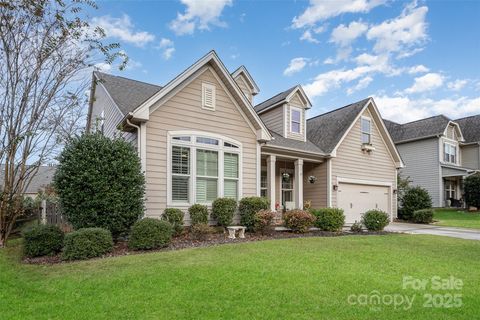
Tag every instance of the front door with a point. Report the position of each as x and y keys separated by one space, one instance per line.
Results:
x=288 y=200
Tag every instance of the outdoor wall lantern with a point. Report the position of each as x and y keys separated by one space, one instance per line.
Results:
x=395 y=191
x=335 y=187
x=312 y=179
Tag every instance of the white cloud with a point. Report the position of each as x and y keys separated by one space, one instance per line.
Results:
x=199 y=14
x=418 y=69
x=167 y=47
x=457 y=85
x=361 y=84
x=307 y=36
x=428 y=82
x=401 y=33
x=319 y=10
x=123 y=29
x=344 y=35
x=103 y=67
x=295 y=65
x=405 y=109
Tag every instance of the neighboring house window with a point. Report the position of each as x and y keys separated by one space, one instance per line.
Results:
x=366 y=128
x=263 y=184
x=210 y=167
x=295 y=119
x=208 y=96
x=449 y=153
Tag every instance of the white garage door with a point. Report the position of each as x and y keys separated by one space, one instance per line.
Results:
x=356 y=199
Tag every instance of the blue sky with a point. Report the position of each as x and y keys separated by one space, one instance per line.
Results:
x=416 y=58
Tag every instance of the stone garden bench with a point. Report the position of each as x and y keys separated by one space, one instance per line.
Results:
x=233 y=229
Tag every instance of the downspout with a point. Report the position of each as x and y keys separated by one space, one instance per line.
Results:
x=139 y=146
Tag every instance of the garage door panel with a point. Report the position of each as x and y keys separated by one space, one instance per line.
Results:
x=356 y=199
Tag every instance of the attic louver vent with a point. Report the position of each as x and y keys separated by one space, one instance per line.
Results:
x=208 y=96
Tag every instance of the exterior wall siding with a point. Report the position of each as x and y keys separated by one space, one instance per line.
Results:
x=244 y=87
x=184 y=112
x=315 y=192
x=102 y=102
x=421 y=160
x=297 y=103
x=471 y=156
x=352 y=163
x=273 y=119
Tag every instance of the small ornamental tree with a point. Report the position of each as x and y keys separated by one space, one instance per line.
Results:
x=100 y=183
x=472 y=190
x=416 y=198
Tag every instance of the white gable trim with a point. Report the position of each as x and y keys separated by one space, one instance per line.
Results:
x=395 y=155
x=288 y=98
x=248 y=77
x=459 y=130
x=142 y=113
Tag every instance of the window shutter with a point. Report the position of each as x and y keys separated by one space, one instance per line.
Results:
x=230 y=165
x=230 y=189
x=207 y=163
x=180 y=188
x=208 y=96
x=206 y=189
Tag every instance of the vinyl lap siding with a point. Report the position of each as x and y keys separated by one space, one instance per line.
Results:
x=421 y=160
x=352 y=163
x=470 y=156
x=184 y=112
x=273 y=119
x=315 y=192
x=244 y=87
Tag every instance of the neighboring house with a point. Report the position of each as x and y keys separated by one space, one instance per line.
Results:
x=42 y=179
x=200 y=137
x=437 y=156
x=471 y=146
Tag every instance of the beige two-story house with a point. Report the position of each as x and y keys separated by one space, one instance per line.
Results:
x=201 y=136
x=437 y=155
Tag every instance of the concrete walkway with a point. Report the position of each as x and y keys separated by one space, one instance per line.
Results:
x=454 y=232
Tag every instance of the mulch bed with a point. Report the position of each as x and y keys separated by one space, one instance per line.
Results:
x=186 y=240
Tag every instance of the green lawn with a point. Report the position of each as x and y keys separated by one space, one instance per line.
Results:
x=456 y=218
x=309 y=278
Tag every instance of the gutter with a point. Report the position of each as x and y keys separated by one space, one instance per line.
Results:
x=139 y=146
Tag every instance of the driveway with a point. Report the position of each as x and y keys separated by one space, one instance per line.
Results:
x=462 y=233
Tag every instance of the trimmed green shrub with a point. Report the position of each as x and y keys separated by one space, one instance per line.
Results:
x=472 y=190
x=248 y=207
x=198 y=214
x=200 y=231
x=175 y=217
x=356 y=227
x=423 y=216
x=223 y=210
x=263 y=220
x=375 y=220
x=42 y=240
x=150 y=233
x=87 y=243
x=100 y=183
x=329 y=219
x=298 y=220
x=414 y=199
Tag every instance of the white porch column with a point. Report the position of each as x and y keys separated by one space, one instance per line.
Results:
x=299 y=183
x=271 y=180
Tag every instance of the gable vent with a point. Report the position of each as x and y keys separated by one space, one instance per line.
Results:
x=208 y=96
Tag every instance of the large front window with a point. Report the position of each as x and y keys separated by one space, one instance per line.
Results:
x=203 y=168
x=449 y=153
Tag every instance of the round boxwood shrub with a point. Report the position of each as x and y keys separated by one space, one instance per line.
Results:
x=472 y=190
x=423 y=216
x=329 y=219
x=175 y=218
x=200 y=231
x=100 y=183
x=42 y=240
x=223 y=210
x=375 y=220
x=298 y=220
x=149 y=234
x=198 y=214
x=263 y=220
x=414 y=199
x=248 y=207
x=87 y=243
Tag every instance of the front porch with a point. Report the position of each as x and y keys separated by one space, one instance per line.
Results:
x=452 y=184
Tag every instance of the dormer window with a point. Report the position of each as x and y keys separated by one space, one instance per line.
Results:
x=208 y=96
x=449 y=153
x=366 y=128
x=295 y=120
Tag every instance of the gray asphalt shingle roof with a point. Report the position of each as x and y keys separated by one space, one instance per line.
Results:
x=273 y=100
x=416 y=130
x=43 y=178
x=128 y=94
x=326 y=130
x=470 y=127
x=280 y=141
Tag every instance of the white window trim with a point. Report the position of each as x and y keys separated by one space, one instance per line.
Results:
x=452 y=144
x=193 y=164
x=361 y=129
x=292 y=108
x=211 y=87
